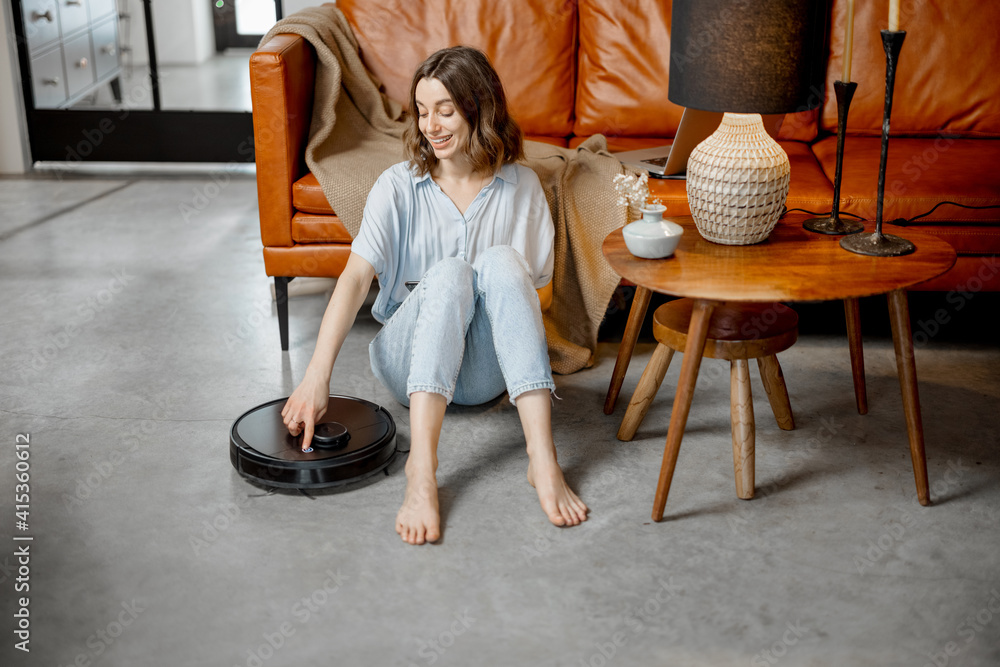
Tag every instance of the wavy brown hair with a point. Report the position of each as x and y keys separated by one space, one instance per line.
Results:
x=495 y=138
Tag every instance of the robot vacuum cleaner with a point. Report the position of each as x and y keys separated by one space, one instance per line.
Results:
x=357 y=439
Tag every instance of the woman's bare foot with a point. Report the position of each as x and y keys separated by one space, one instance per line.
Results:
x=559 y=503
x=419 y=519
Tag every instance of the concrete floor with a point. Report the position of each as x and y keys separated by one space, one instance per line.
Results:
x=133 y=335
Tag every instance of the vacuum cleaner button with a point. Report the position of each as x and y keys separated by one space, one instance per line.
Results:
x=330 y=435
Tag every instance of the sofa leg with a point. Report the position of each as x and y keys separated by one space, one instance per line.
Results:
x=281 y=298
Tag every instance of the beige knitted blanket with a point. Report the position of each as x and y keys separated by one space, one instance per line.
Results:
x=356 y=134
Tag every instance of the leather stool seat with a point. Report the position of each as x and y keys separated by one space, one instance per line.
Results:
x=737 y=332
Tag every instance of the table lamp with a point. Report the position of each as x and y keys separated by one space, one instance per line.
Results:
x=744 y=59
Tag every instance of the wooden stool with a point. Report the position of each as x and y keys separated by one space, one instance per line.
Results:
x=738 y=332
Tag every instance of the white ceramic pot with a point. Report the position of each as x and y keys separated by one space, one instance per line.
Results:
x=652 y=237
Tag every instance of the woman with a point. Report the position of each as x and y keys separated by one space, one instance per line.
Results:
x=469 y=231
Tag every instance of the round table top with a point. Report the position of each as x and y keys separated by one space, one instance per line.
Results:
x=793 y=264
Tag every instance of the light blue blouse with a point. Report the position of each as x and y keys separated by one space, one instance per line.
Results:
x=410 y=224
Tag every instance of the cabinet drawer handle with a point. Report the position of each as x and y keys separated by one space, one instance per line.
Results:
x=82 y=63
x=73 y=3
x=38 y=16
x=54 y=81
x=109 y=49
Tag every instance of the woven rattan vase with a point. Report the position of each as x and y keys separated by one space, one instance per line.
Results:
x=737 y=182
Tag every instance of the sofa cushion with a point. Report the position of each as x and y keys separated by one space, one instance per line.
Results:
x=308 y=197
x=809 y=188
x=624 y=60
x=946 y=79
x=532 y=44
x=919 y=174
x=311 y=228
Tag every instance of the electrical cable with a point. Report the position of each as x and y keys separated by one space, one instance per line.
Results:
x=900 y=222
x=924 y=215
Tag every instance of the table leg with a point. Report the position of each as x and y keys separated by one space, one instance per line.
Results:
x=640 y=302
x=701 y=315
x=902 y=339
x=853 y=316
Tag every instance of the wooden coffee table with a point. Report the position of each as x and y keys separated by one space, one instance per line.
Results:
x=792 y=265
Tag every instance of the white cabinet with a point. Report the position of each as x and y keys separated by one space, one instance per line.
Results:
x=73 y=48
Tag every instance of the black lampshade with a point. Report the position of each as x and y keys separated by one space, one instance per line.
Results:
x=748 y=56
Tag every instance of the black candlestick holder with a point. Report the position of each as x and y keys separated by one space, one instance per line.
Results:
x=877 y=243
x=832 y=224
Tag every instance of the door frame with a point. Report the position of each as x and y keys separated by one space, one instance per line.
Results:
x=224 y=20
x=129 y=135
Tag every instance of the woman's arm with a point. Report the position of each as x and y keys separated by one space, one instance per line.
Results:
x=350 y=292
x=308 y=402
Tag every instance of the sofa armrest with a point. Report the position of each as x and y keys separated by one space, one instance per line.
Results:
x=282 y=78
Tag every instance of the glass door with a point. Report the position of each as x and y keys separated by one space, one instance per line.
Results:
x=242 y=23
x=139 y=80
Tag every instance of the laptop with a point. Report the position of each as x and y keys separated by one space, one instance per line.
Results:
x=670 y=160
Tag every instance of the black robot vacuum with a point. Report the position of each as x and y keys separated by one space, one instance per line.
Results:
x=356 y=439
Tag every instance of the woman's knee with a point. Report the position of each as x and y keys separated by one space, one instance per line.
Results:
x=449 y=276
x=450 y=270
x=449 y=281
x=501 y=265
x=502 y=257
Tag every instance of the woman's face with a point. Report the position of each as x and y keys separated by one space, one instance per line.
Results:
x=440 y=120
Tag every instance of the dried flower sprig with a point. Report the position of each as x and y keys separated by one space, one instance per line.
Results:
x=633 y=191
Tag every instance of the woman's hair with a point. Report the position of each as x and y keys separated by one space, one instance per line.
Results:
x=495 y=138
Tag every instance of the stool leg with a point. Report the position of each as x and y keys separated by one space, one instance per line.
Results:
x=701 y=315
x=645 y=392
x=640 y=303
x=741 y=414
x=777 y=392
x=852 y=314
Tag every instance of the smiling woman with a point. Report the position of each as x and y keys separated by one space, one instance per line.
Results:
x=472 y=228
x=479 y=97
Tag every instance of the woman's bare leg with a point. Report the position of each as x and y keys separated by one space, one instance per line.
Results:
x=559 y=503
x=419 y=519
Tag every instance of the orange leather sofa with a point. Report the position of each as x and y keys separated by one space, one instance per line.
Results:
x=574 y=68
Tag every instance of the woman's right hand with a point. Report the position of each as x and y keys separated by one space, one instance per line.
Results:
x=306 y=406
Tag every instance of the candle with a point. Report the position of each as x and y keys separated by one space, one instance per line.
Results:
x=848 y=42
x=894 y=15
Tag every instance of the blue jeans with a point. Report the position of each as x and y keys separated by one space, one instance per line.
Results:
x=467 y=332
